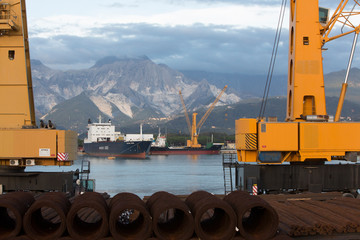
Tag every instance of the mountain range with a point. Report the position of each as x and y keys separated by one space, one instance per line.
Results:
x=130 y=91
x=126 y=90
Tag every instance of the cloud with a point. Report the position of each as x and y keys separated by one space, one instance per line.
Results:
x=121 y=5
x=239 y=16
x=211 y=48
x=213 y=37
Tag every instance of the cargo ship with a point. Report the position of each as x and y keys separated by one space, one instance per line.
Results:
x=103 y=141
x=159 y=147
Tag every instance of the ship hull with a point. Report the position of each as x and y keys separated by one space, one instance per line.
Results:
x=215 y=149
x=135 y=149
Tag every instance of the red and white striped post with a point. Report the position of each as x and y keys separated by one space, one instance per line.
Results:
x=254 y=189
x=62 y=157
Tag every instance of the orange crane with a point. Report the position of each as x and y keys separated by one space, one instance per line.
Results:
x=310 y=137
x=23 y=143
x=194 y=129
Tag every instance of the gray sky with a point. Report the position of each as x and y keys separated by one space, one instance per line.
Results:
x=232 y=36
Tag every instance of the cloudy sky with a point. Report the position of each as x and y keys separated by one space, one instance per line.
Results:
x=233 y=36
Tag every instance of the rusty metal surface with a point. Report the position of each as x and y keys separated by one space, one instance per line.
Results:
x=129 y=218
x=214 y=218
x=318 y=218
x=256 y=219
x=46 y=218
x=88 y=217
x=302 y=216
x=13 y=207
x=171 y=217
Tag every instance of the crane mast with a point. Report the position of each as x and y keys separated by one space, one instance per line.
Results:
x=17 y=110
x=306 y=91
x=309 y=30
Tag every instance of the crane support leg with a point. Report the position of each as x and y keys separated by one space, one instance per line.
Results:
x=39 y=181
x=298 y=177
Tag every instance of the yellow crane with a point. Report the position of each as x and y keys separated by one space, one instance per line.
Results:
x=194 y=128
x=22 y=143
x=309 y=137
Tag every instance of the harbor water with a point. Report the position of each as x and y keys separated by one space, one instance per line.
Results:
x=177 y=174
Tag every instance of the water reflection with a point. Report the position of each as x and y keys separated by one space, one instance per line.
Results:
x=178 y=174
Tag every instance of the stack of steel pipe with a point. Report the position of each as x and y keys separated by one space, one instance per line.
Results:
x=129 y=218
x=46 y=218
x=298 y=222
x=256 y=219
x=334 y=218
x=13 y=207
x=171 y=217
x=309 y=217
x=345 y=215
x=88 y=217
x=214 y=218
x=165 y=216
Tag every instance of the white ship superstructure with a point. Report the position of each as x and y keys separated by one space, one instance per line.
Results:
x=102 y=132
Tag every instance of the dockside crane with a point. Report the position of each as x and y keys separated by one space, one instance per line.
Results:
x=22 y=142
x=194 y=129
x=309 y=138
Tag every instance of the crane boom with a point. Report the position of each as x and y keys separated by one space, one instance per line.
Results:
x=340 y=16
x=194 y=128
x=185 y=111
x=206 y=115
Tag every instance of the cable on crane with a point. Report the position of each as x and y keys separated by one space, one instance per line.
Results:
x=273 y=59
x=347 y=18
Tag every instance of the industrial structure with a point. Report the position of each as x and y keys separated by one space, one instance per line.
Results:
x=22 y=142
x=294 y=155
x=194 y=128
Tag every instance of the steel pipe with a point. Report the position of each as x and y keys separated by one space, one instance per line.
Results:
x=88 y=217
x=13 y=207
x=171 y=217
x=22 y=237
x=129 y=218
x=256 y=219
x=46 y=218
x=214 y=218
